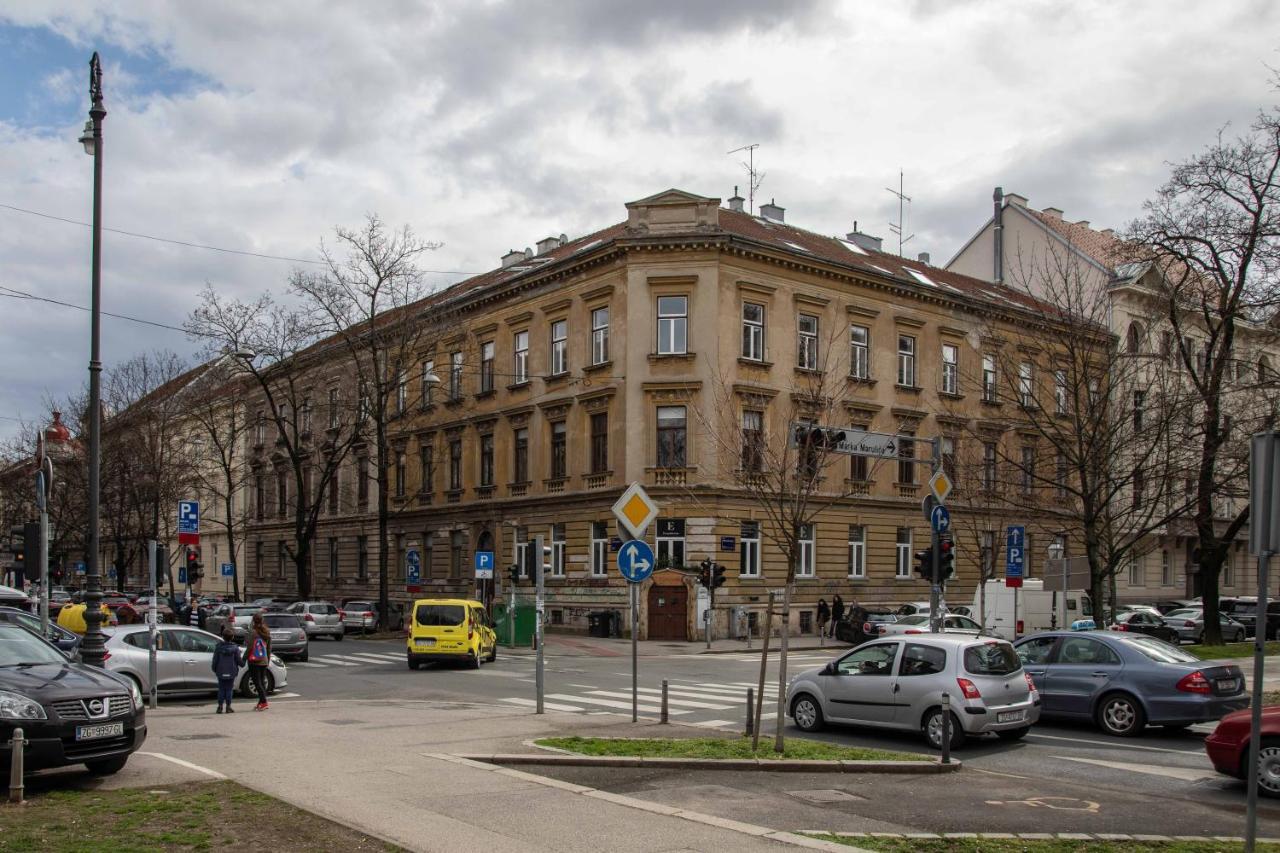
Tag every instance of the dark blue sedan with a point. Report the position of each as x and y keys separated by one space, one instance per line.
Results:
x=67 y=642
x=1124 y=682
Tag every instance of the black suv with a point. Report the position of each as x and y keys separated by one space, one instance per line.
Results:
x=69 y=713
x=1245 y=611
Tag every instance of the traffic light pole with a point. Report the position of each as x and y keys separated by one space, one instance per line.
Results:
x=152 y=630
x=540 y=568
x=44 y=484
x=935 y=586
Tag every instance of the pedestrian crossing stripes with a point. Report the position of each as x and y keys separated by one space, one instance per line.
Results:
x=353 y=659
x=686 y=700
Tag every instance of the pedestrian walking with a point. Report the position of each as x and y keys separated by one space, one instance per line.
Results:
x=858 y=616
x=259 y=656
x=824 y=614
x=194 y=618
x=837 y=612
x=227 y=661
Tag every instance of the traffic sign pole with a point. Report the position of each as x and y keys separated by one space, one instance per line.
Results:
x=935 y=619
x=537 y=615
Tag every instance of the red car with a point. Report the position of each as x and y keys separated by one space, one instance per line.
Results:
x=1228 y=747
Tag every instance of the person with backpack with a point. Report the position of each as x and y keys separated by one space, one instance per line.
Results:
x=227 y=661
x=259 y=656
x=837 y=612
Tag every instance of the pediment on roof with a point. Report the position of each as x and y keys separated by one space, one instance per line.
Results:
x=671 y=196
x=672 y=210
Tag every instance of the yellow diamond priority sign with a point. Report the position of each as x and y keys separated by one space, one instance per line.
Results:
x=940 y=484
x=635 y=510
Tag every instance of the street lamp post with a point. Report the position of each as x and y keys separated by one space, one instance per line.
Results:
x=1056 y=550
x=91 y=650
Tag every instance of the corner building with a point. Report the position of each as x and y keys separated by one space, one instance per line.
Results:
x=588 y=364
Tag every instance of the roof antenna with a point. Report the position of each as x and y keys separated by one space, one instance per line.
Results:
x=754 y=178
x=901 y=224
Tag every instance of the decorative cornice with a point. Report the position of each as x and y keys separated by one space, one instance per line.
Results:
x=908 y=320
x=597 y=292
x=557 y=306
x=756 y=288
x=661 y=387
x=908 y=414
x=862 y=311
x=517 y=319
x=810 y=299
x=485 y=329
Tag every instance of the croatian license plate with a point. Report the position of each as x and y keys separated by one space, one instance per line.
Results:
x=97 y=732
x=1227 y=685
x=426 y=641
x=1009 y=716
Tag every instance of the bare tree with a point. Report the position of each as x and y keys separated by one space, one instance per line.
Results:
x=277 y=345
x=1213 y=234
x=367 y=297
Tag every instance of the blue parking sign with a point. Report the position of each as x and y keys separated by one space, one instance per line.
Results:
x=1015 y=554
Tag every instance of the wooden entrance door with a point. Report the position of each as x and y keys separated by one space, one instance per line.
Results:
x=668 y=613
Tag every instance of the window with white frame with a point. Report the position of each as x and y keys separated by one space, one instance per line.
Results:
x=673 y=325
x=559 y=347
x=1135 y=571
x=671 y=436
x=906 y=361
x=455 y=375
x=857 y=551
x=333 y=558
x=600 y=335
x=807 y=353
x=989 y=465
x=260 y=430
x=1027 y=384
x=1060 y=392
x=335 y=416
x=907 y=457
x=520 y=550
x=669 y=541
x=557 y=550
x=1228 y=570
x=989 y=390
x=950 y=369
x=902 y=566
x=486 y=367
x=1166 y=569
x=428 y=383
x=859 y=352
x=804 y=545
x=599 y=549
x=749 y=549
x=987 y=554
x=402 y=392
x=520 y=364
x=752 y=440
x=753 y=331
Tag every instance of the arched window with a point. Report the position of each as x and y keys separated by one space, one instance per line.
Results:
x=1133 y=340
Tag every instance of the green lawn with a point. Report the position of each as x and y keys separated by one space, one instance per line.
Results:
x=220 y=816
x=1015 y=845
x=708 y=747
x=1232 y=650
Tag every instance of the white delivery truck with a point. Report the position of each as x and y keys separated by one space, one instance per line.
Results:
x=1038 y=609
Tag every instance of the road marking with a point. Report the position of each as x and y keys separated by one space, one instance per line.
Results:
x=609 y=703
x=515 y=700
x=727 y=692
x=1116 y=744
x=329 y=660
x=1062 y=804
x=720 y=699
x=187 y=764
x=715 y=724
x=1186 y=774
x=683 y=703
x=285 y=695
x=308 y=664
x=371 y=659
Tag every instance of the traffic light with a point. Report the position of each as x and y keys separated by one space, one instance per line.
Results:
x=193 y=566
x=704 y=574
x=717 y=576
x=513 y=572
x=816 y=437
x=530 y=567
x=162 y=564
x=946 y=558
x=31 y=550
x=924 y=563
x=17 y=548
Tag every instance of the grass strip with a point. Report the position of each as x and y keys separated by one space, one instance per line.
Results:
x=1232 y=650
x=201 y=816
x=710 y=747
x=1017 y=845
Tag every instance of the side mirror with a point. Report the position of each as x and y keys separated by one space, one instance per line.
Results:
x=830 y=669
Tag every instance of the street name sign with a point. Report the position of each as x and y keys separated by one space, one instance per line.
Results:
x=484 y=565
x=848 y=440
x=1015 y=554
x=189 y=522
x=635 y=560
x=635 y=510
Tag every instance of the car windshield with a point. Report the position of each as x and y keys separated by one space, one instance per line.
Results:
x=1184 y=613
x=991 y=659
x=360 y=605
x=913 y=620
x=19 y=647
x=1159 y=650
x=439 y=614
x=281 y=620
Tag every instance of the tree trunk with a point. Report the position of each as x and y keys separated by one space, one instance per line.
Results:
x=384 y=592
x=302 y=552
x=1097 y=581
x=231 y=543
x=778 y=743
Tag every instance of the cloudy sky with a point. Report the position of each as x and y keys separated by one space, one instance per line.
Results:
x=258 y=127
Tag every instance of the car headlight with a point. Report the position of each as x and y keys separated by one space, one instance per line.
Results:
x=15 y=706
x=276 y=661
x=135 y=694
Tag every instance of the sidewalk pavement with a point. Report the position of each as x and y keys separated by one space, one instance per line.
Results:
x=386 y=768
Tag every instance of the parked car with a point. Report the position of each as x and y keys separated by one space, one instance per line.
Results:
x=1189 y=623
x=1124 y=682
x=898 y=682
x=67 y=642
x=274 y=602
x=236 y=616
x=69 y=713
x=288 y=636
x=450 y=629
x=1228 y=747
x=1244 y=609
x=1148 y=608
x=184 y=658
x=319 y=618
x=1145 y=622
x=360 y=616
x=145 y=604
x=1175 y=604
x=913 y=608
x=11 y=597
x=869 y=628
x=919 y=624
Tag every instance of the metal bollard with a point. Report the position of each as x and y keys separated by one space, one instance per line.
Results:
x=664 y=702
x=946 y=728
x=751 y=704
x=15 y=766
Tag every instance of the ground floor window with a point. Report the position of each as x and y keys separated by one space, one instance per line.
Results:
x=857 y=551
x=804 y=551
x=557 y=550
x=669 y=542
x=599 y=549
x=903 y=566
x=749 y=549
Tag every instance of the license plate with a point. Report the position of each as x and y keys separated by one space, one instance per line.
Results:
x=1009 y=716
x=1227 y=685
x=96 y=732
x=427 y=641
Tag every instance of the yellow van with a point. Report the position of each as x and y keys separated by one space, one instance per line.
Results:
x=450 y=629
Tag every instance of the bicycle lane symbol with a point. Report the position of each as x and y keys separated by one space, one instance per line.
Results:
x=1066 y=804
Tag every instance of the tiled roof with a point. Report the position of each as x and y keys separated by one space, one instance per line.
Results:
x=1105 y=249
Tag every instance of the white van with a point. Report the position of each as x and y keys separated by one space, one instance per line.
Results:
x=1038 y=609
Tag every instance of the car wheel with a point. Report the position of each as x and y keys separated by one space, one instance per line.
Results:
x=305 y=656
x=807 y=713
x=1239 y=636
x=341 y=635
x=1120 y=714
x=270 y=682
x=493 y=654
x=413 y=664
x=933 y=730
x=473 y=660
x=1014 y=734
x=1200 y=638
x=107 y=766
x=1268 y=767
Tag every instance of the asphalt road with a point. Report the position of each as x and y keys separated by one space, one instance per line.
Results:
x=1061 y=778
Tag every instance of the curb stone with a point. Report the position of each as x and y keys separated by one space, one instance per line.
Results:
x=780 y=765
x=1038 y=836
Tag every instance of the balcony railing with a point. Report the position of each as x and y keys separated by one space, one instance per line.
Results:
x=519 y=490
x=908 y=490
x=670 y=476
x=556 y=484
x=596 y=481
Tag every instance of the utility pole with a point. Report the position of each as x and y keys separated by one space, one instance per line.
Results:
x=44 y=490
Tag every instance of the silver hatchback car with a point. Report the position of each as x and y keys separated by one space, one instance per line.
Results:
x=898 y=682
x=184 y=661
x=320 y=618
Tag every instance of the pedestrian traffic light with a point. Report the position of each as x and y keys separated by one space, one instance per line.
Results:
x=946 y=558
x=924 y=563
x=704 y=574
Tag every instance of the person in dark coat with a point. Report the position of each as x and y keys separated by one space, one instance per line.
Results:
x=227 y=661
x=824 y=614
x=837 y=612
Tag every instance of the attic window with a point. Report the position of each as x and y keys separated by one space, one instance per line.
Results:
x=921 y=277
x=586 y=245
x=853 y=247
x=879 y=269
x=795 y=246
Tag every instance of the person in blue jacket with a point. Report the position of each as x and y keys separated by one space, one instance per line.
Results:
x=227 y=661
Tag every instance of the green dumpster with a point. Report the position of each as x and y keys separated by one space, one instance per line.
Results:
x=524 y=621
